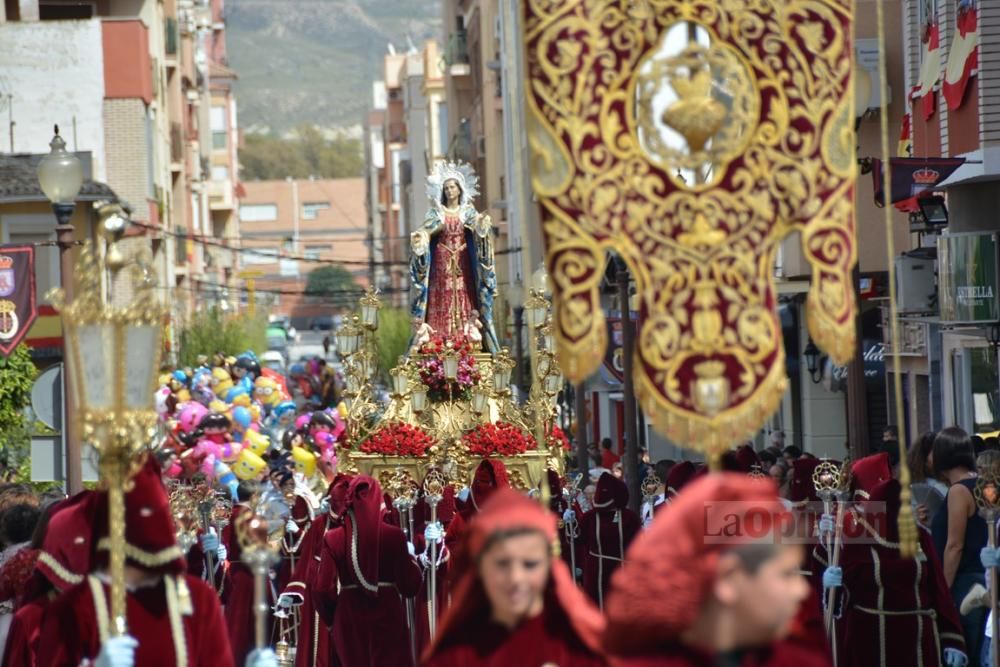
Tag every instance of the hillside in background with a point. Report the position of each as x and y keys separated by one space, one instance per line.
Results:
x=313 y=61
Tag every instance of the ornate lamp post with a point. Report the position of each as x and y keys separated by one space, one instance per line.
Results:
x=113 y=356
x=60 y=175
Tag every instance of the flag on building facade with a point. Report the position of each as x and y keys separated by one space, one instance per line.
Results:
x=963 y=57
x=930 y=70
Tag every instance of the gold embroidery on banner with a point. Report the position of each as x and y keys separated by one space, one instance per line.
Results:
x=693 y=160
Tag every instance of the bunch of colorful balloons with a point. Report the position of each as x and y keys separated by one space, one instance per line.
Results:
x=231 y=420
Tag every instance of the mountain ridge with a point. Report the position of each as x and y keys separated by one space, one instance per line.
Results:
x=314 y=61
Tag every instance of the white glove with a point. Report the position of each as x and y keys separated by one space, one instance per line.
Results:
x=411 y=549
x=833 y=577
x=826 y=525
x=117 y=652
x=324 y=506
x=955 y=658
x=262 y=657
x=291 y=527
x=209 y=541
x=434 y=532
x=222 y=553
x=569 y=516
x=463 y=495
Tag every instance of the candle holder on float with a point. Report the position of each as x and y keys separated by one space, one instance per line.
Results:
x=112 y=355
x=358 y=351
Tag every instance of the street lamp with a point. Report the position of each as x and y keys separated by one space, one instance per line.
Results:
x=813 y=362
x=60 y=175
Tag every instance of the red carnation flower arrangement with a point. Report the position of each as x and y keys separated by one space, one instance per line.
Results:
x=398 y=439
x=432 y=373
x=500 y=439
x=557 y=437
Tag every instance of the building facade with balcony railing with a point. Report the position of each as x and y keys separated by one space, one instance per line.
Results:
x=952 y=60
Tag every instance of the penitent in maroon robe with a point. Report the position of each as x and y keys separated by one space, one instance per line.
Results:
x=605 y=534
x=74 y=619
x=315 y=644
x=891 y=610
x=238 y=592
x=22 y=636
x=291 y=543
x=369 y=627
x=454 y=527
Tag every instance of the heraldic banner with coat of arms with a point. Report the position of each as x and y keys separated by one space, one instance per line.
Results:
x=17 y=295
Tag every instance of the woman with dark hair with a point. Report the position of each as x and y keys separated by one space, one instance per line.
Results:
x=928 y=492
x=919 y=458
x=959 y=532
x=513 y=602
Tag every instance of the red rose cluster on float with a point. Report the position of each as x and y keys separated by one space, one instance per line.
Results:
x=558 y=437
x=500 y=439
x=432 y=367
x=398 y=439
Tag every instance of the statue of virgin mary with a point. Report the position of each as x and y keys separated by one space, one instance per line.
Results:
x=451 y=263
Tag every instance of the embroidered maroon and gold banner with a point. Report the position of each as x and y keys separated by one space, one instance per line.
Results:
x=691 y=137
x=17 y=295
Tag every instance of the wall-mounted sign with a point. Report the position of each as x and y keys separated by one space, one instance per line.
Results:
x=967 y=278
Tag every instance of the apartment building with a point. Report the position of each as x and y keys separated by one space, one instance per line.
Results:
x=128 y=82
x=290 y=227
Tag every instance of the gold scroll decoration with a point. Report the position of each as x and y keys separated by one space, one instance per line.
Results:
x=691 y=137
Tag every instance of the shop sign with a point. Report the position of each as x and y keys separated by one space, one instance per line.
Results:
x=967 y=278
x=835 y=377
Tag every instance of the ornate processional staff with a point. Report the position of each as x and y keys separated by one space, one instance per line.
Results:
x=112 y=356
x=434 y=483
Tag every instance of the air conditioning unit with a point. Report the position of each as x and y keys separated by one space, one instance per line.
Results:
x=916 y=287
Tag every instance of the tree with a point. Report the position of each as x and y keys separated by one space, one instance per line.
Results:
x=393 y=338
x=17 y=374
x=213 y=331
x=331 y=280
x=307 y=153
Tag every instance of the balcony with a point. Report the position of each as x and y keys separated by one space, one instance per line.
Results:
x=397 y=133
x=220 y=195
x=456 y=56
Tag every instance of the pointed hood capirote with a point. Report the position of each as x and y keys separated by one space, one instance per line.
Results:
x=364 y=508
x=67 y=549
x=150 y=536
x=869 y=472
x=670 y=568
x=800 y=487
x=506 y=511
x=490 y=476
x=680 y=474
x=612 y=494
